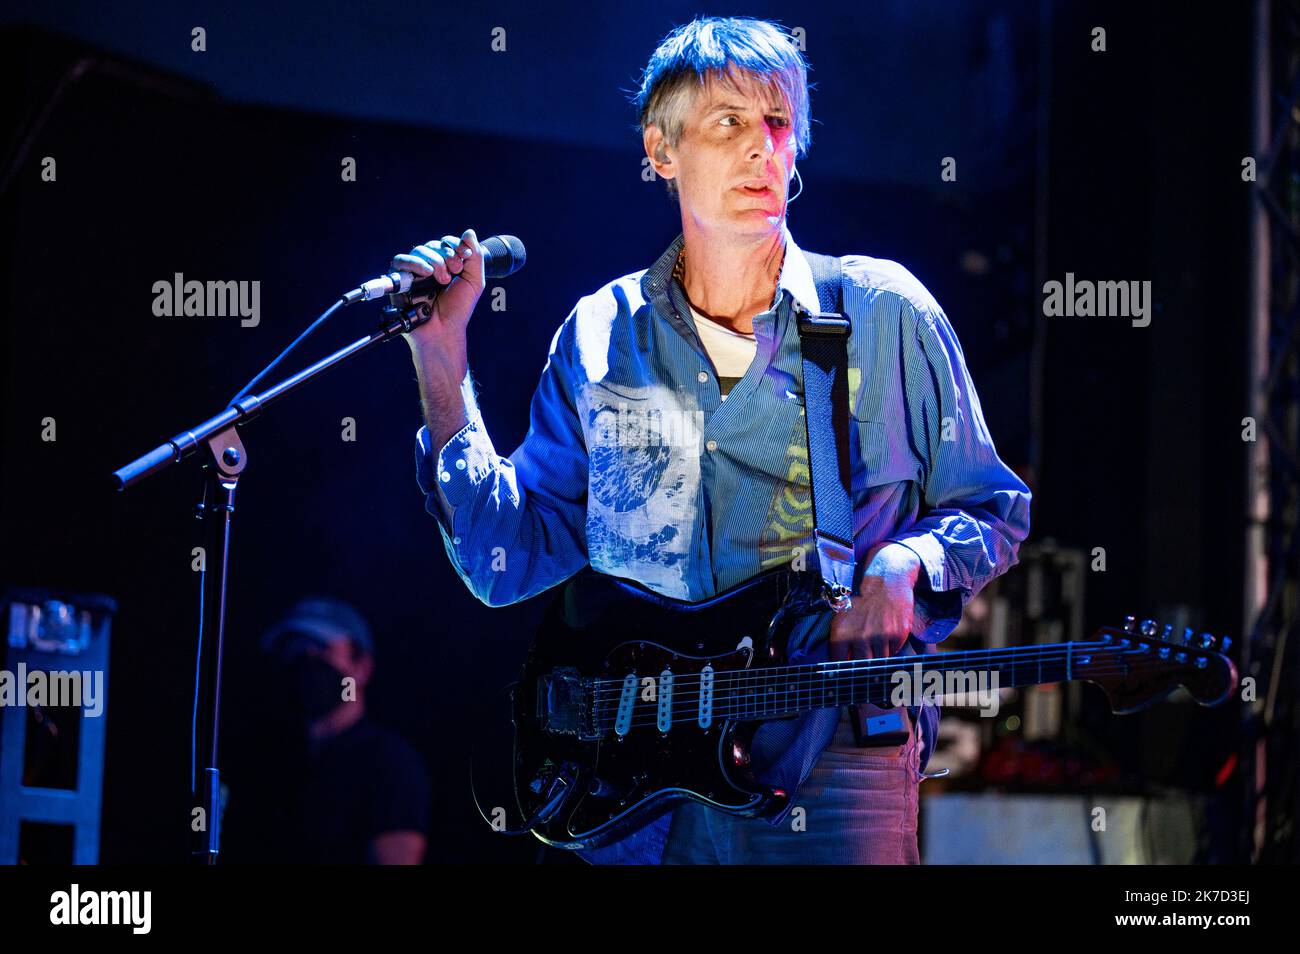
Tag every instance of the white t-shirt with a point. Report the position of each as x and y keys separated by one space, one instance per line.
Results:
x=731 y=351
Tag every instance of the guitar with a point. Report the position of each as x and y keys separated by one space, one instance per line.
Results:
x=630 y=701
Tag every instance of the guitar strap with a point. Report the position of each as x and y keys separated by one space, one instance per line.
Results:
x=823 y=340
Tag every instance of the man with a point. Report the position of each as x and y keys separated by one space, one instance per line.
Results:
x=706 y=338
x=344 y=790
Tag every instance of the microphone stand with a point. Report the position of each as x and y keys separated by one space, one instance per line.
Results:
x=225 y=460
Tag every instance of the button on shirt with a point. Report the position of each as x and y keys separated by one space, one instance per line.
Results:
x=634 y=463
x=731 y=351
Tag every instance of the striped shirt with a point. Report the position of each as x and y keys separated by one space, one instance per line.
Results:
x=634 y=463
x=730 y=351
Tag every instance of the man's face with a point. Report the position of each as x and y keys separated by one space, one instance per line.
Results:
x=736 y=134
x=341 y=655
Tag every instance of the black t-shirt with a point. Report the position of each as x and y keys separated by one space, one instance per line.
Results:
x=327 y=801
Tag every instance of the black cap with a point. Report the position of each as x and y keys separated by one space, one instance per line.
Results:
x=321 y=620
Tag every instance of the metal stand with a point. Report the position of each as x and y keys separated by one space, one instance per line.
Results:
x=1270 y=736
x=226 y=461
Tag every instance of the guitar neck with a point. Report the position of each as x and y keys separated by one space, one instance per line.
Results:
x=789 y=690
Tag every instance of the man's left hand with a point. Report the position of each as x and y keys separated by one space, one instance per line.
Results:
x=880 y=619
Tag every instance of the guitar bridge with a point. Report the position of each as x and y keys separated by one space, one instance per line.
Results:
x=564 y=704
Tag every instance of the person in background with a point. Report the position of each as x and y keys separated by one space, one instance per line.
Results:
x=360 y=794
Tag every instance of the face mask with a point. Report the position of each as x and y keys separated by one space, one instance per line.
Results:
x=317 y=686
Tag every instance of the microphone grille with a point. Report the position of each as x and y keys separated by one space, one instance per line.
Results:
x=505 y=255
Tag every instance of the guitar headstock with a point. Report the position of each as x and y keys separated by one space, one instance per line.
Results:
x=1141 y=662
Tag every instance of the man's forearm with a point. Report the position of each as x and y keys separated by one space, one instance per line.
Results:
x=513 y=526
x=446 y=392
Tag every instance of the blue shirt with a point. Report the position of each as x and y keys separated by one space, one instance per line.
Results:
x=634 y=463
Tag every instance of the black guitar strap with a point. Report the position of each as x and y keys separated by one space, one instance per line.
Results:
x=824 y=342
x=823 y=339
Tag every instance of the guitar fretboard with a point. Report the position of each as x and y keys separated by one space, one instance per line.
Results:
x=768 y=693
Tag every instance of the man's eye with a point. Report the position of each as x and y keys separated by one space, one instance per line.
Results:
x=779 y=121
x=729 y=116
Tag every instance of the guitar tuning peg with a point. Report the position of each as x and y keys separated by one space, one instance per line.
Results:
x=1225 y=643
x=1130 y=624
x=1188 y=634
x=1207 y=641
x=1168 y=632
x=1148 y=627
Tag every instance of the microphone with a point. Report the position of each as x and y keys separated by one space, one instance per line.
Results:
x=503 y=255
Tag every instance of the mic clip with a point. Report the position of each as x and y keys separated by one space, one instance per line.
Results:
x=404 y=313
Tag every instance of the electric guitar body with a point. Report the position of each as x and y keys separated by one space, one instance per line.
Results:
x=609 y=743
x=631 y=702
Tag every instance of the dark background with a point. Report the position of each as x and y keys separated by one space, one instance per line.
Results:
x=1122 y=165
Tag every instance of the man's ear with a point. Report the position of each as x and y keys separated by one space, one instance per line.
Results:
x=656 y=147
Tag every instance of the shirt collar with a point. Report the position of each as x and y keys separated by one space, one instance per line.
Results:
x=796 y=274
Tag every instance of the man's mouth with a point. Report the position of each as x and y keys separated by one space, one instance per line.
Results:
x=752 y=190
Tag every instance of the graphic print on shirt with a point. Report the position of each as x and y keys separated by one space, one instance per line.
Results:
x=789 y=524
x=643 y=444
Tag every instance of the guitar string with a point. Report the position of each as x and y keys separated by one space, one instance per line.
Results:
x=755 y=706
x=740 y=712
x=771 y=704
x=858 y=667
x=773 y=701
x=605 y=687
x=1002 y=652
x=729 y=681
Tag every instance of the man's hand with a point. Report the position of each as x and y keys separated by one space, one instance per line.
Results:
x=880 y=619
x=438 y=346
x=458 y=264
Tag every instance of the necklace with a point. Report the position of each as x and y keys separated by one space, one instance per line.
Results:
x=679 y=269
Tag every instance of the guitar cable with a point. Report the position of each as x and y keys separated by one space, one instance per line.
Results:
x=543 y=813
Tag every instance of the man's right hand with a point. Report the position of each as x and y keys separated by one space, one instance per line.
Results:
x=438 y=345
x=458 y=264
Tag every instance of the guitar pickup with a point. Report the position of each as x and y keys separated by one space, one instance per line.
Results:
x=564 y=704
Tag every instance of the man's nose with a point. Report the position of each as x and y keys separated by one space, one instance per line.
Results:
x=762 y=145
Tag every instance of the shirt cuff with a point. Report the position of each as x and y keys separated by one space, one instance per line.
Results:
x=449 y=478
x=938 y=606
